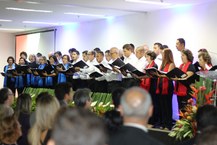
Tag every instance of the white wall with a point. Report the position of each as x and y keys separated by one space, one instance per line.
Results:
x=196 y=24
x=7 y=48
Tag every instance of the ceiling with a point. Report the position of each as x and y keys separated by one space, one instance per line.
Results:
x=98 y=9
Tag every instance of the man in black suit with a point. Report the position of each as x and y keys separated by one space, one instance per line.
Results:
x=136 y=107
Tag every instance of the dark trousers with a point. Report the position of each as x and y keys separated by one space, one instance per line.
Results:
x=130 y=82
x=182 y=101
x=101 y=86
x=155 y=119
x=165 y=109
x=113 y=85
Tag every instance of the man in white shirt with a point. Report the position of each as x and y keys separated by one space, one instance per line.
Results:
x=129 y=57
x=158 y=48
x=113 y=77
x=141 y=62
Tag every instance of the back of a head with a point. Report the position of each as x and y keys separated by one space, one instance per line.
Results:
x=81 y=96
x=136 y=102
x=206 y=116
x=208 y=136
x=77 y=126
x=113 y=121
x=116 y=96
x=61 y=90
x=3 y=95
x=10 y=130
x=5 y=111
x=24 y=103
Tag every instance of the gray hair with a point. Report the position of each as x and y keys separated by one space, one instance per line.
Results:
x=141 y=108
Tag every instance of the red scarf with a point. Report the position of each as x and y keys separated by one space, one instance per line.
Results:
x=182 y=90
x=146 y=83
x=165 y=82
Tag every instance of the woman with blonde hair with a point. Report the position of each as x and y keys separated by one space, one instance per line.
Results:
x=46 y=108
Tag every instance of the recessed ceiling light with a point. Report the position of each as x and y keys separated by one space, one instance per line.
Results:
x=82 y=14
x=149 y=2
x=35 y=22
x=28 y=10
x=4 y=20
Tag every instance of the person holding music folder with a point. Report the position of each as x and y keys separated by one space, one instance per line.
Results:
x=129 y=57
x=113 y=77
x=187 y=67
x=150 y=84
x=50 y=72
x=165 y=90
x=31 y=80
x=9 y=80
x=204 y=61
x=65 y=65
x=21 y=77
x=41 y=80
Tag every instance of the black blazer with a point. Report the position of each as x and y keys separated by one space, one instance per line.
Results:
x=128 y=135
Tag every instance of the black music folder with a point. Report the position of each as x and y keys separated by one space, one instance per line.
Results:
x=80 y=64
x=138 y=73
x=101 y=66
x=95 y=75
x=176 y=72
x=128 y=67
x=22 y=69
x=69 y=72
x=213 y=68
x=60 y=65
x=152 y=72
x=118 y=62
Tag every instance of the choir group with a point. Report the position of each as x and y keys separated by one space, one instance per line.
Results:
x=115 y=71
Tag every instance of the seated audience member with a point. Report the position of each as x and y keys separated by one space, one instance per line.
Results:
x=10 y=131
x=116 y=97
x=5 y=111
x=77 y=126
x=206 y=116
x=6 y=96
x=22 y=112
x=82 y=98
x=136 y=107
x=113 y=121
x=46 y=108
x=63 y=93
x=208 y=137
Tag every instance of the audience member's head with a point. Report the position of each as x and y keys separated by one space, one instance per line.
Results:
x=113 y=121
x=82 y=98
x=6 y=96
x=64 y=93
x=5 y=111
x=23 y=104
x=10 y=130
x=206 y=116
x=136 y=106
x=116 y=96
x=208 y=136
x=77 y=126
x=180 y=44
x=46 y=108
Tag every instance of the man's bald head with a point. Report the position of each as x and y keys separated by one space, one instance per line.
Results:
x=136 y=102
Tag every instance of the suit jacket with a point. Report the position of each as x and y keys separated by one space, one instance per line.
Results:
x=128 y=135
